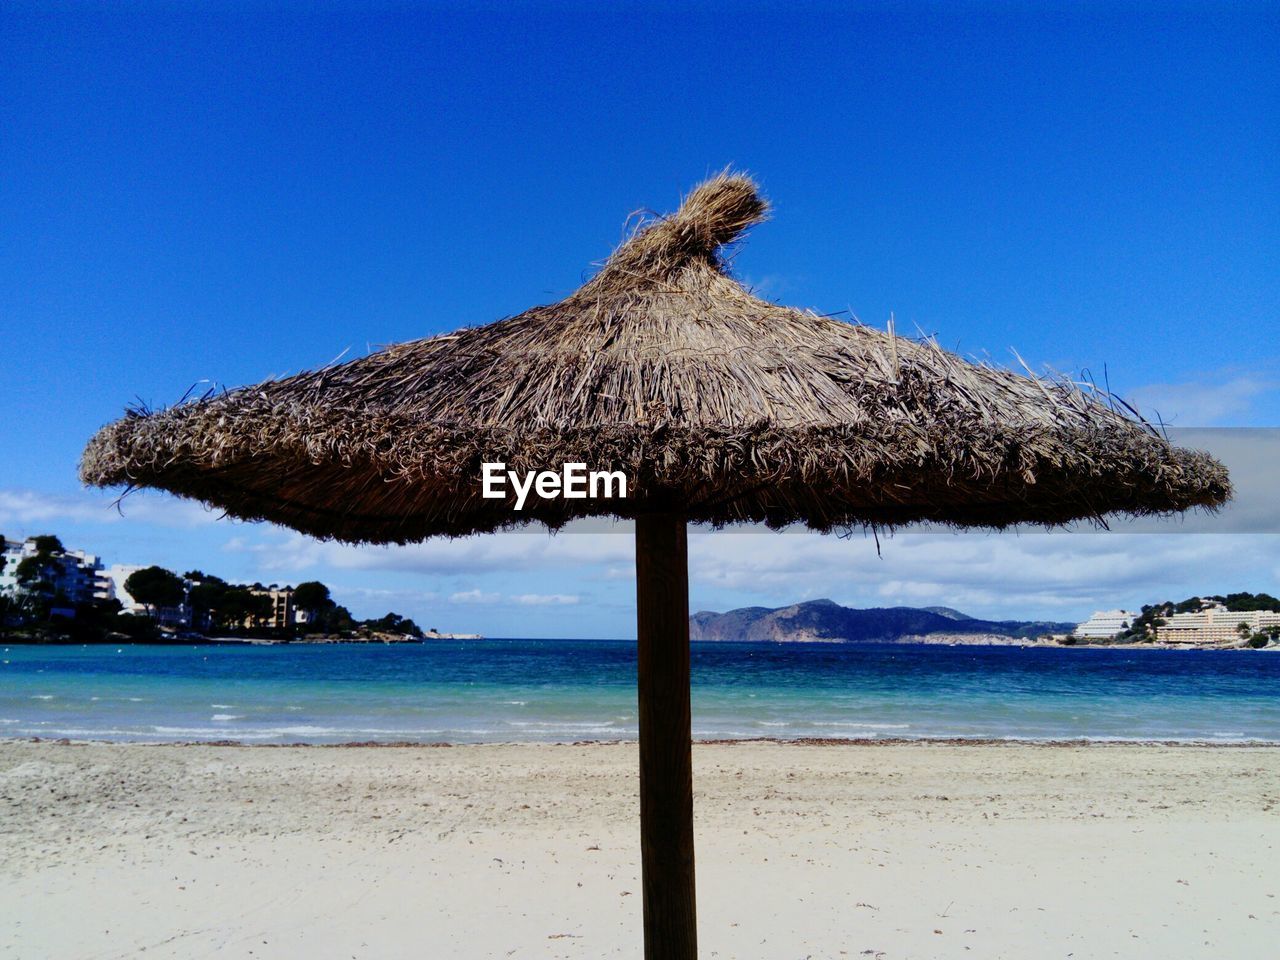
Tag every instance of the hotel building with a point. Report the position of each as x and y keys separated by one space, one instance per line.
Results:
x=1216 y=624
x=1106 y=623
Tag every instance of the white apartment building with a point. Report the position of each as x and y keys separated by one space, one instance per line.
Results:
x=80 y=578
x=117 y=574
x=1106 y=623
x=1216 y=624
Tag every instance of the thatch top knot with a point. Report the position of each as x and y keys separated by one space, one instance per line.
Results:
x=716 y=213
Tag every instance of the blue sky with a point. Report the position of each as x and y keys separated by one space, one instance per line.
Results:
x=194 y=195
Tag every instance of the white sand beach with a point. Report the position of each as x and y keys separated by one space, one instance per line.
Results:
x=881 y=851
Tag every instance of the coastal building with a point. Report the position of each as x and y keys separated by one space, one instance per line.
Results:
x=1105 y=623
x=283 y=612
x=77 y=576
x=1215 y=624
x=117 y=574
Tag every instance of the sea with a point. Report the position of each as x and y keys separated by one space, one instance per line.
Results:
x=482 y=691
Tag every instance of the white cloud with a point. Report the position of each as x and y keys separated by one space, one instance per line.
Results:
x=497 y=552
x=27 y=509
x=488 y=598
x=475 y=596
x=545 y=599
x=1210 y=400
x=375 y=595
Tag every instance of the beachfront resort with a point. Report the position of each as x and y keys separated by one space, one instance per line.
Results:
x=1238 y=620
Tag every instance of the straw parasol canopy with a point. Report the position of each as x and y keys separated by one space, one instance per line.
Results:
x=709 y=399
x=717 y=406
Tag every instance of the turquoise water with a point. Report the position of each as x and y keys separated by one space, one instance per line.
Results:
x=560 y=690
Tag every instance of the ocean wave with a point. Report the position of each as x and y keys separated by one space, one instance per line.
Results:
x=350 y=734
x=305 y=731
x=562 y=725
x=103 y=733
x=933 y=696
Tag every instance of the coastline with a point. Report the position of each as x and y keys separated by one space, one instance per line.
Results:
x=909 y=849
x=1061 y=742
x=928 y=640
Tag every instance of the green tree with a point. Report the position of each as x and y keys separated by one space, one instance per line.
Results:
x=232 y=608
x=239 y=608
x=38 y=572
x=155 y=588
x=339 y=620
x=313 y=598
x=260 y=609
x=47 y=545
x=1247 y=602
x=44 y=566
x=394 y=623
x=1143 y=628
x=206 y=597
x=37 y=577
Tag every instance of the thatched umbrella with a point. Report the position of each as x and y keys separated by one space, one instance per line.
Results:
x=718 y=407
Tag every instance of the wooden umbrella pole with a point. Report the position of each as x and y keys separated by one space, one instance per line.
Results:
x=666 y=761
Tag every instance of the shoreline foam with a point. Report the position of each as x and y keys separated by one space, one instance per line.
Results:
x=719 y=741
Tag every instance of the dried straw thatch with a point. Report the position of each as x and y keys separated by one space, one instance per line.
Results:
x=715 y=404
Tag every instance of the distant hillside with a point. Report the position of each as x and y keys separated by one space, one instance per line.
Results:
x=948 y=612
x=827 y=620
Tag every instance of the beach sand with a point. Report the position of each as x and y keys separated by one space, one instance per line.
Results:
x=819 y=851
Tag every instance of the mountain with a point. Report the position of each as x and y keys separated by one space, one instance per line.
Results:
x=948 y=612
x=827 y=620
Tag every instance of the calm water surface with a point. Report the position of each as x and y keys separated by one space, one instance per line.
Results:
x=558 y=690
